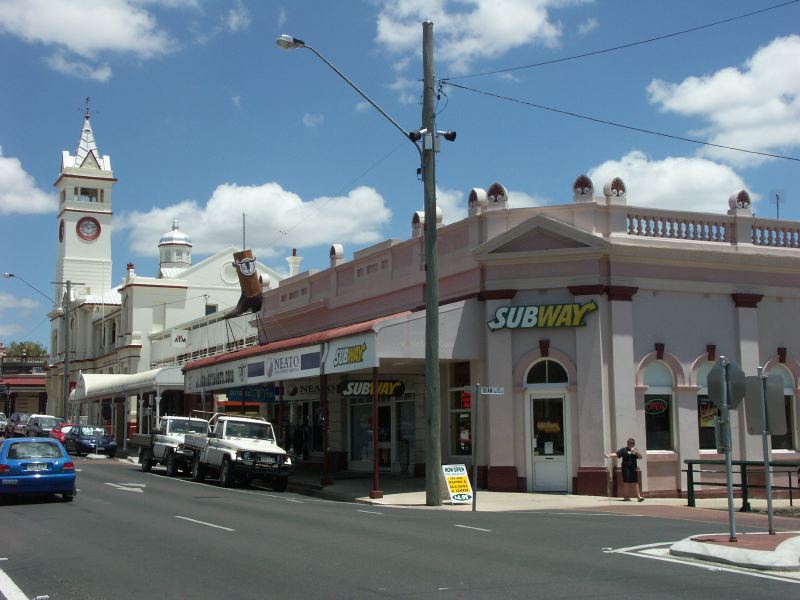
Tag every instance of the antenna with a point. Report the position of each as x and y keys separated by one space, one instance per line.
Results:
x=778 y=197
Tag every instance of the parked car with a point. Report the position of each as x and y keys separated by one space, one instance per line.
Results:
x=41 y=425
x=3 y=420
x=60 y=431
x=36 y=466
x=85 y=439
x=17 y=418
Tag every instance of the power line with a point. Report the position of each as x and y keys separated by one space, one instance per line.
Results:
x=623 y=46
x=620 y=125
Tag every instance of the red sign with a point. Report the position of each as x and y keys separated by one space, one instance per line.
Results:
x=655 y=406
x=466 y=400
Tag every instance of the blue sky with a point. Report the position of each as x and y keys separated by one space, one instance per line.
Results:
x=205 y=118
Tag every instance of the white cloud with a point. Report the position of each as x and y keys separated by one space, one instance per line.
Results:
x=452 y=203
x=77 y=68
x=281 y=17
x=587 y=26
x=85 y=27
x=238 y=18
x=363 y=106
x=466 y=30
x=523 y=200
x=281 y=218
x=409 y=91
x=19 y=312
x=170 y=3
x=692 y=184
x=237 y=101
x=756 y=107
x=12 y=302
x=312 y=121
x=18 y=191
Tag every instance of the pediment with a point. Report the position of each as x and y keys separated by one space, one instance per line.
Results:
x=90 y=162
x=540 y=235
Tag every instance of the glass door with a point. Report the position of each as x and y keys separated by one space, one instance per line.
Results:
x=547 y=445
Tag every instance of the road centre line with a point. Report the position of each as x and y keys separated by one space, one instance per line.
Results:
x=204 y=523
x=475 y=528
x=369 y=512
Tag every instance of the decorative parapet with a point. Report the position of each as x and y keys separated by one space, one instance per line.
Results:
x=777 y=234
x=646 y=223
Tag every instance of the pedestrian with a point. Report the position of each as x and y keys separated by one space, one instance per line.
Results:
x=630 y=477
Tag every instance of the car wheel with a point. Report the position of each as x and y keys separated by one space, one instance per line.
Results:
x=198 y=470
x=68 y=496
x=146 y=461
x=172 y=465
x=226 y=474
x=279 y=484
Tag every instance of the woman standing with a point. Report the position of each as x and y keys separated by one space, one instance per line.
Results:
x=629 y=455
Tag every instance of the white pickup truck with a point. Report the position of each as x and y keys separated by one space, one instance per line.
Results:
x=240 y=449
x=165 y=444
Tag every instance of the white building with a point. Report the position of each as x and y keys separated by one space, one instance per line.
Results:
x=110 y=327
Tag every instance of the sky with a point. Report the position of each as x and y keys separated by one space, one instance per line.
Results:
x=206 y=120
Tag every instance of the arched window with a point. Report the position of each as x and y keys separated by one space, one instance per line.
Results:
x=785 y=441
x=658 y=406
x=547 y=371
x=707 y=411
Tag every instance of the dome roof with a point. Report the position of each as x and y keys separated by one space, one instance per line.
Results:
x=175 y=237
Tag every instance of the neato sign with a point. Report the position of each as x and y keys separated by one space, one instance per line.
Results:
x=541 y=316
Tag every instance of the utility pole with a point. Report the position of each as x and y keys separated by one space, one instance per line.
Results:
x=433 y=447
x=67 y=306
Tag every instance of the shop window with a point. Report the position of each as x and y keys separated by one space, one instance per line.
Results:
x=707 y=411
x=785 y=441
x=460 y=405
x=211 y=309
x=658 y=410
x=547 y=371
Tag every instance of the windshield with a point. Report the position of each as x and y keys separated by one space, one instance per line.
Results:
x=188 y=426
x=34 y=450
x=49 y=422
x=259 y=431
x=92 y=431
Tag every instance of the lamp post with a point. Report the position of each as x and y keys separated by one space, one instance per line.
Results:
x=428 y=137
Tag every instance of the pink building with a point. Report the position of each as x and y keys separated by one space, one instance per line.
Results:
x=600 y=320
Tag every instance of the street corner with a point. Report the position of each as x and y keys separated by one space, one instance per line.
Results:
x=762 y=551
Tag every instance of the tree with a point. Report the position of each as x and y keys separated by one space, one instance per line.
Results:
x=33 y=349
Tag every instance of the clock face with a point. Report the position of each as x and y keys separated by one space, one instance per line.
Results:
x=61 y=231
x=88 y=228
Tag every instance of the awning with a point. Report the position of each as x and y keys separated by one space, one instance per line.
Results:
x=93 y=386
x=21 y=384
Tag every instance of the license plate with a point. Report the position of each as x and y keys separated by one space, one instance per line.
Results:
x=36 y=467
x=270 y=460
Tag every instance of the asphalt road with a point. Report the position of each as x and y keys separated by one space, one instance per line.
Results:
x=130 y=534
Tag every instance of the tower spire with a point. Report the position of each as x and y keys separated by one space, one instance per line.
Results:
x=86 y=143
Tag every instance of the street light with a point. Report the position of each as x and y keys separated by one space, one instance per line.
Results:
x=35 y=289
x=429 y=137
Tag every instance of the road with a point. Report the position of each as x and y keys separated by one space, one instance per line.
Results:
x=131 y=534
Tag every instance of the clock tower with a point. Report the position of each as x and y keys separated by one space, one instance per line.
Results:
x=83 y=224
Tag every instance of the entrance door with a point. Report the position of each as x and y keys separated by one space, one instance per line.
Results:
x=549 y=458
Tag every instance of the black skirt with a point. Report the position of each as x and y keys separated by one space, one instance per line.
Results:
x=629 y=475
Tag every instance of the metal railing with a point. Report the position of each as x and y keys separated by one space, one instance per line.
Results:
x=776 y=467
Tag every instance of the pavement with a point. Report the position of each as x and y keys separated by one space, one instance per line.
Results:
x=752 y=550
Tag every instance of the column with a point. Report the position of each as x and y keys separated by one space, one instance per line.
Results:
x=591 y=396
x=748 y=335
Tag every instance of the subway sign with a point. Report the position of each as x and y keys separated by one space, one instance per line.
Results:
x=541 y=316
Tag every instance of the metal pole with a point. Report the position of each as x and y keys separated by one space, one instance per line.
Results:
x=376 y=482
x=728 y=448
x=67 y=305
x=475 y=447
x=433 y=447
x=765 y=444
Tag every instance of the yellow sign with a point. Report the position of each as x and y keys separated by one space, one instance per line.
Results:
x=457 y=483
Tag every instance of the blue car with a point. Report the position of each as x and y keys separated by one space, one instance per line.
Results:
x=36 y=466
x=88 y=439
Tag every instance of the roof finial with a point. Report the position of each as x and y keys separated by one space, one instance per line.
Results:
x=87 y=113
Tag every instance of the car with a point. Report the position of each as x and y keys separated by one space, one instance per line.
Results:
x=17 y=418
x=85 y=439
x=36 y=466
x=60 y=431
x=41 y=425
x=3 y=420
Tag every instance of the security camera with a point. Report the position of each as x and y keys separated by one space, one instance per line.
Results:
x=416 y=136
x=450 y=136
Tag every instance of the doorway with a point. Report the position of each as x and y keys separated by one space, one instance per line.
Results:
x=547 y=444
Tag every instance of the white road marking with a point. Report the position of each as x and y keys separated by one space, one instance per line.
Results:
x=475 y=528
x=128 y=487
x=631 y=549
x=369 y=512
x=204 y=523
x=9 y=589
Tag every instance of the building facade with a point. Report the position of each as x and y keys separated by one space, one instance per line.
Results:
x=598 y=320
